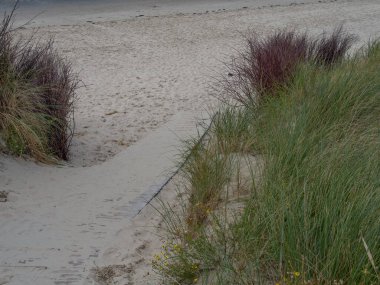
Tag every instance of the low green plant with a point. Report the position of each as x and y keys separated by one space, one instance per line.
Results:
x=232 y=130
x=206 y=173
x=176 y=263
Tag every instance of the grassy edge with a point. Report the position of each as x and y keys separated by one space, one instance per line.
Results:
x=219 y=250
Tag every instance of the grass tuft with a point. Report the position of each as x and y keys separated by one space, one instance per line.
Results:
x=36 y=97
x=268 y=63
x=206 y=173
x=331 y=49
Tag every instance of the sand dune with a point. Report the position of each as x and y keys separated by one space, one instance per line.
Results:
x=146 y=81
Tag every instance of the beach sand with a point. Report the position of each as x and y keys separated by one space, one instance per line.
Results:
x=146 y=81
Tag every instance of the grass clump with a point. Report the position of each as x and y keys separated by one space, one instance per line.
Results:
x=206 y=173
x=232 y=130
x=270 y=62
x=312 y=217
x=37 y=92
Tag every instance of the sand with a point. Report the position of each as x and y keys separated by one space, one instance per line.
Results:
x=146 y=82
x=61 y=12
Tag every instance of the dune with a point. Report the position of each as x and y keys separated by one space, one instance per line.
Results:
x=146 y=85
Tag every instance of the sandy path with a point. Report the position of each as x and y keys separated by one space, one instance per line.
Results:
x=59 y=221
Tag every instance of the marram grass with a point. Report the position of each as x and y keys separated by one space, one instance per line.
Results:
x=314 y=216
x=37 y=92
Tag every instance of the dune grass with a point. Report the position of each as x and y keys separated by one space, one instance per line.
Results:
x=317 y=211
x=312 y=217
x=37 y=93
x=267 y=63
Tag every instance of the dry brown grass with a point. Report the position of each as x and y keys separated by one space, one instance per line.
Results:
x=37 y=94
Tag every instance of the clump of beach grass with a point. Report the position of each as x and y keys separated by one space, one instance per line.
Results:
x=205 y=173
x=37 y=93
x=312 y=217
x=232 y=130
x=267 y=63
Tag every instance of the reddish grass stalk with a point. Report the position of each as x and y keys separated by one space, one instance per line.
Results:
x=269 y=63
x=330 y=49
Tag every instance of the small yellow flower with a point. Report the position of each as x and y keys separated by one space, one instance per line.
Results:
x=177 y=248
x=296 y=274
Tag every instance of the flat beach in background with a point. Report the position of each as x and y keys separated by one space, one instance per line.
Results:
x=53 y=12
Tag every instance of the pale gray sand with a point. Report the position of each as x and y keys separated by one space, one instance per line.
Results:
x=58 y=222
x=54 y=12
